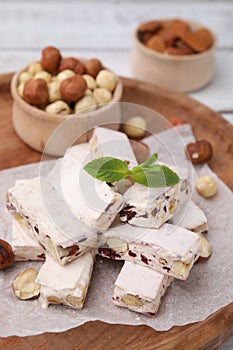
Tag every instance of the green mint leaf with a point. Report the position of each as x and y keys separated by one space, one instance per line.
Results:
x=149 y=161
x=155 y=176
x=107 y=169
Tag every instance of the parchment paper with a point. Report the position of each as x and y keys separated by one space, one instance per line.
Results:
x=208 y=288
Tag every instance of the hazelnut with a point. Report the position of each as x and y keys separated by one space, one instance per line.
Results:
x=68 y=63
x=199 y=151
x=176 y=121
x=7 y=257
x=106 y=79
x=88 y=92
x=91 y=83
x=206 y=186
x=131 y=300
x=54 y=91
x=72 y=89
x=25 y=286
x=102 y=95
x=117 y=244
x=20 y=89
x=67 y=73
x=135 y=127
x=36 y=92
x=85 y=104
x=93 y=66
x=50 y=60
x=58 y=107
x=80 y=68
x=34 y=68
x=205 y=251
x=43 y=75
x=25 y=76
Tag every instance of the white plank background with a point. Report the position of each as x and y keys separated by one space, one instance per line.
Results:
x=104 y=29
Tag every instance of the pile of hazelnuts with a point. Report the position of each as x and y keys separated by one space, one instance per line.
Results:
x=66 y=85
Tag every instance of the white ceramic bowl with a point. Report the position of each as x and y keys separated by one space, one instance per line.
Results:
x=180 y=73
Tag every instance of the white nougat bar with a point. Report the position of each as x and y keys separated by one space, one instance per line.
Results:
x=50 y=220
x=152 y=207
x=24 y=247
x=67 y=285
x=140 y=288
x=91 y=200
x=192 y=218
x=170 y=250
x=106 y=142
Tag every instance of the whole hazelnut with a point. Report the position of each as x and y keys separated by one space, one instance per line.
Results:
x=93 y=66
x=35 y=92
x=176 y=121
x=7 y=257
x=72 y=89
x=25 y=76
x=58 y=107
x=43 y=75
x=91 y=83
x=85 y=104
x=34 y=68
x=50 y=59
x=68 y=63
x=199 y=151
x=80 y=68
x=54 y=91
x=206 y=186
x=67 y=73
x=135 y=127
x=106 y=79
x=102 y=95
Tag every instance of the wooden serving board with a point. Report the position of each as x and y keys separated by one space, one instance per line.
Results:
x=209 y=334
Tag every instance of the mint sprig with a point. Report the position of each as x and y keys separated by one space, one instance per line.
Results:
x=110 y=169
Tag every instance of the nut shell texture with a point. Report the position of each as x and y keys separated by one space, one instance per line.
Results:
x=199 y=151
x=68 y=63
x=93 y=66
x=72 y=89
x=36 y=92
x=50 y=60
x=7 y=257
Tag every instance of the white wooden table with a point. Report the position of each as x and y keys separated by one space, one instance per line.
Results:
x=104 y=29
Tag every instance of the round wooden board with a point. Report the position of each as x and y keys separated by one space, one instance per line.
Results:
x=210 y=333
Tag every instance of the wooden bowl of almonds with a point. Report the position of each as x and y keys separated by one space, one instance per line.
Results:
x=56 y=89
x=174 y=53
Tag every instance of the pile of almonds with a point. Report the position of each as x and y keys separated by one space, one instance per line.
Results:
x=174 y=37
x=66 y=85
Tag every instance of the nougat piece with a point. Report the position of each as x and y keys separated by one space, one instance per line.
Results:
x=152 y=207
x=140 y=288
x=92 y=201
x=67 y=285
x=24 y=247
x=171 y=250
x=191 y=217
x=51 y=222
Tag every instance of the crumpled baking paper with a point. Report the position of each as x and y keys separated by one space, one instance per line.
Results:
x=208 y=288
